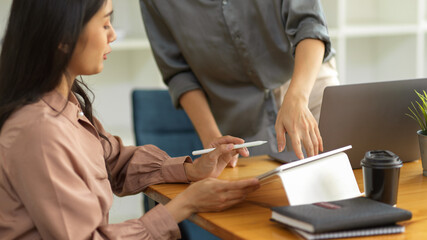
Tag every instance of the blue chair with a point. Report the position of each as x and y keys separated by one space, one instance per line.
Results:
x=156 y=121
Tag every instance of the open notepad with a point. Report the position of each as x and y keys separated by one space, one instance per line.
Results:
x=324 y=177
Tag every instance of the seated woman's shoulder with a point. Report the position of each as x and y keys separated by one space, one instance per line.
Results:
x=31 y=122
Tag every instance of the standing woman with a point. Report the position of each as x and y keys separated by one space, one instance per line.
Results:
x=58 y=166
x=255 y=69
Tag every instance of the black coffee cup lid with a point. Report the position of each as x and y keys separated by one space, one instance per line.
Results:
x=381 y=159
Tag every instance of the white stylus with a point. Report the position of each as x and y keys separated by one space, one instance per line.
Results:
x=248 y=144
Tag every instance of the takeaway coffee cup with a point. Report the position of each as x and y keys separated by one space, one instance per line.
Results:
x=381 y=169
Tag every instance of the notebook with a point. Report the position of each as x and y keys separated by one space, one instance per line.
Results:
x=371 y=116
x=341 y=215
x=392 y=229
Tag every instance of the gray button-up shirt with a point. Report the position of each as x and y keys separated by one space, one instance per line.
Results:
x=235 y=51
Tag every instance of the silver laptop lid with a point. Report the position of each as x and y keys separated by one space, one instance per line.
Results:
x=371 y=116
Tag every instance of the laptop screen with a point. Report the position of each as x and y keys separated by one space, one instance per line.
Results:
x=371 y=116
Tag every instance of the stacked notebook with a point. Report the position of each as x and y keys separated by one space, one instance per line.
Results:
x=352 y=217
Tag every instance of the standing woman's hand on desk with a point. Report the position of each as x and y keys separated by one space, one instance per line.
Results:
x=213 y=163
x=295 y=118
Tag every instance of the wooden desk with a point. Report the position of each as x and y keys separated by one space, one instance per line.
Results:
x=250 y=219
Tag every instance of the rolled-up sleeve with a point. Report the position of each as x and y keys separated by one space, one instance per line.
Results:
x=175 y=70
x=305 y=19
x=180 y=84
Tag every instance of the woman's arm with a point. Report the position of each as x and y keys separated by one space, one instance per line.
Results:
x=294 y=117
x=197 y=108
x=305 y=25
x=66 y=192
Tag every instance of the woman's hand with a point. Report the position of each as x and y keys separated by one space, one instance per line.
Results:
x=295 y=118
x=232 y=162
x=212 y=164
x=210 y=195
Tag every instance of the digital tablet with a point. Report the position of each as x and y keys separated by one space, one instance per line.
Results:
x=300 y=162
x=285 y=156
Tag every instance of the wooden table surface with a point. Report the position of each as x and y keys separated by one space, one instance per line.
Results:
x=250 y=219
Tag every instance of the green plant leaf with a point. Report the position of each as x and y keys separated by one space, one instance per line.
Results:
x=418 y=111
x=423 y=112
x=416 y=116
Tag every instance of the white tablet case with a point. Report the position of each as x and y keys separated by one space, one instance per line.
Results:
x=325 y=177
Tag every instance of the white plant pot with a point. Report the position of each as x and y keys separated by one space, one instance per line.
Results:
x=422 y=139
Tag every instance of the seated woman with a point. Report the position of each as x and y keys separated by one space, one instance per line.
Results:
x=58 y=166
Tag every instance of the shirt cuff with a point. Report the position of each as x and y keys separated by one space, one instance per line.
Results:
x=180 y=84
x=173 y=169
x=313 y=31
x=160 y=223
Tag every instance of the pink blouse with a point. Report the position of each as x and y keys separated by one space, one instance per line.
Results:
x=54 y=184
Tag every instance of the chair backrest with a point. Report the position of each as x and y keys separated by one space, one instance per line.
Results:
x=156 y=121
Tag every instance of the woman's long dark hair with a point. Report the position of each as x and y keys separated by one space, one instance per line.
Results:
x=31 y=61
x=33 y=58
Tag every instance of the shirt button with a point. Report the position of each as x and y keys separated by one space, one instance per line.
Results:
x=224 y=2
x=266 y=93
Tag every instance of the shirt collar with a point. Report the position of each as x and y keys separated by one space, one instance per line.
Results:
x=70 y=107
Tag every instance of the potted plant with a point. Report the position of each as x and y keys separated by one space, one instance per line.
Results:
x=419 y=114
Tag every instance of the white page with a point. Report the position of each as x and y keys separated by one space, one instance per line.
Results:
x=327 y=179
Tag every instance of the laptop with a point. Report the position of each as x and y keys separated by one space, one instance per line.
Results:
x=371 y=116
